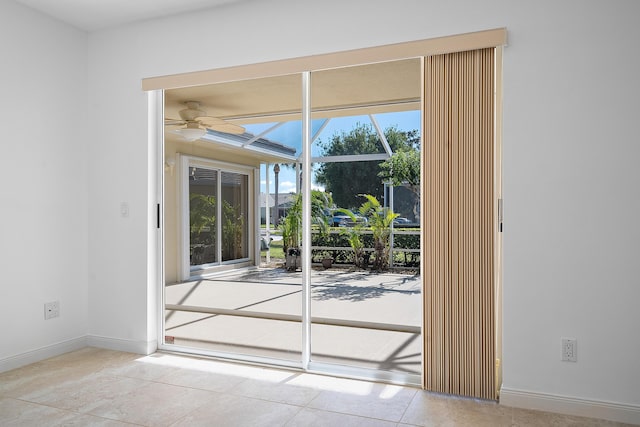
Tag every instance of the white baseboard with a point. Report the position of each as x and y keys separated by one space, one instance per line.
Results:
x=612 y=411
x=118 y=344
x=42 y=353
x=130 y=346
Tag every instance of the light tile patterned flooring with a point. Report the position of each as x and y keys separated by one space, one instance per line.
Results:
x=96 y=387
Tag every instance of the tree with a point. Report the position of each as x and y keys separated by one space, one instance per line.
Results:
x=380 y=220
x=232 y=231
x=345 y=180
x=403 y=169
x=291 y=225
x=202 y=225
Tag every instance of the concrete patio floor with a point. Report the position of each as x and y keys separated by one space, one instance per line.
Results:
x=336 y=294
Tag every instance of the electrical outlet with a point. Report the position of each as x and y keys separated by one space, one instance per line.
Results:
x=51 y=310
x=569 y=350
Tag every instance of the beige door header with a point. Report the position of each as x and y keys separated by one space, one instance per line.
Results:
x=391 y=52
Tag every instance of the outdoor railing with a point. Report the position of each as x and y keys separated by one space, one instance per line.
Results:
x=404 y=247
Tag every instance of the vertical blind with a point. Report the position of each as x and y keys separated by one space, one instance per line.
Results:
x=459 y=224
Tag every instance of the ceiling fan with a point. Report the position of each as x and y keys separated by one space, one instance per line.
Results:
x=196 y=122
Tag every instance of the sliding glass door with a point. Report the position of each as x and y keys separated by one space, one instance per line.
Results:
x=278 y=262
x=215 y=215
x=366 y=309
x=217 y=301
x=203 y=215
x=234 y=196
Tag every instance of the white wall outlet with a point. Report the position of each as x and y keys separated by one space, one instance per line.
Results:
x=51 y=310
x=569 y=350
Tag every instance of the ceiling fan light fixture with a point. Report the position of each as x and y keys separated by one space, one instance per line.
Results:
x=190 y=134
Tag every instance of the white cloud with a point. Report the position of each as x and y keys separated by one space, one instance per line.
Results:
x=287 y=186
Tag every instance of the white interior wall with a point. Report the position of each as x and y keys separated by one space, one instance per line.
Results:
x=43 y=205
x=119 y=174
x=571 y=201
x=570 y=179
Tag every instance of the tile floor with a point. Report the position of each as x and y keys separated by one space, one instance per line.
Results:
x=96 y=387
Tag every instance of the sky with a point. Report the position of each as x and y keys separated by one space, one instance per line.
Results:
x=408 y=120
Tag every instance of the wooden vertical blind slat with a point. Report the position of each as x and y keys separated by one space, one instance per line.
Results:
x=459 y=224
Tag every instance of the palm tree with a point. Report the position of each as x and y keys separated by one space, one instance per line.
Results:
x=291 y=225
x=380 y=221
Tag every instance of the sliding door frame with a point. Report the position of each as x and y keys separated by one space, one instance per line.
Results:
x=494 y=38
x=185 y=162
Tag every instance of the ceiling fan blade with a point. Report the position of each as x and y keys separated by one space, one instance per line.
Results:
x=173 y=122
x=209 y=121
x=227 y=127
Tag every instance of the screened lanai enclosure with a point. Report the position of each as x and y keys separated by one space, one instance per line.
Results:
x=291 y=229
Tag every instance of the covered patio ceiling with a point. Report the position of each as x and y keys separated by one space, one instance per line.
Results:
x=350 y=91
